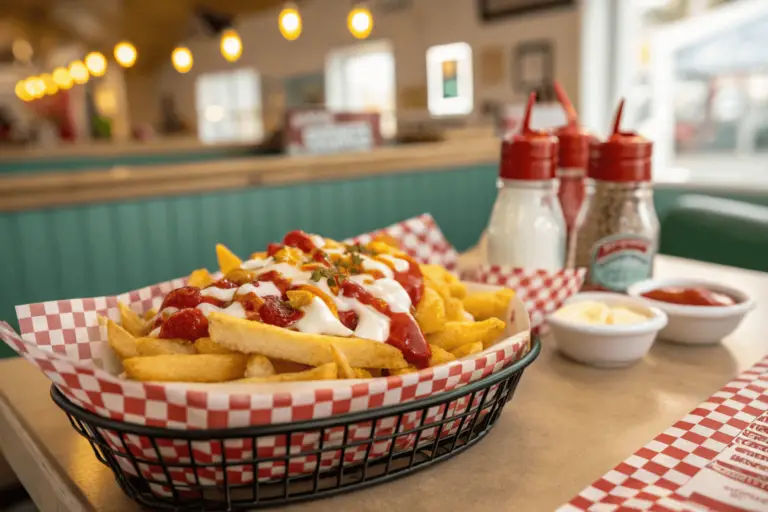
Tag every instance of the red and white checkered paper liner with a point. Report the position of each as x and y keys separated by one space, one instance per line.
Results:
x=63 y=338
x=653 y=477
x=541 y=291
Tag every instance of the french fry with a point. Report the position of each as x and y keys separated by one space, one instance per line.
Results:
x=131 y=321
x=283 y=366
x=437 y=285
x=430 y=311
x=158 y=346
x=200 y=278
x=342 y=363
x=403 y=371
x=440 y=356
x=468 y=349
x=312 y=349
x=121 y=340
x=484 y=305
x=208 y=346
x=457 y=334
x=362 y=373
x=323 y=372
x=150 y=314
x=259 y=366
x=186 y=368
x=227 y=259
x=454 y=310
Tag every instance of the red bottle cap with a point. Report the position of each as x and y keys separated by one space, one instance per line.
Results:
x=530 y=154
x=624 y=157
x=574 y=140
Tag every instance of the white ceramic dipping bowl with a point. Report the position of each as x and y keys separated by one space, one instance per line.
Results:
x=608 y=346
x=696 y=325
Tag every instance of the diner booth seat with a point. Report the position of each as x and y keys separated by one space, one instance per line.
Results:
x=717 y=230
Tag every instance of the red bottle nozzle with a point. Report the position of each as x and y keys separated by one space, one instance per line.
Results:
x=565 y=102
x=574 y=140
x=617 y=119
x=530 y=154
x=526 y=128
x=623 y=157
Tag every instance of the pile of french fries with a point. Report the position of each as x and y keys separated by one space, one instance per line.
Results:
x=455 y=324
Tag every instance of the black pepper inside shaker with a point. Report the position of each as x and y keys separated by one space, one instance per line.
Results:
x=617 y=229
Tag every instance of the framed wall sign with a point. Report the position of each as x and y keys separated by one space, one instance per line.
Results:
x=533 y=68
x=492 y=10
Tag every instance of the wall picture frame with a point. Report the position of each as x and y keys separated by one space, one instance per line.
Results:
x=494 y=10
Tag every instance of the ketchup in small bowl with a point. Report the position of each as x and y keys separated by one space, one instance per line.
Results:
x=699 y=312
x=689 y=296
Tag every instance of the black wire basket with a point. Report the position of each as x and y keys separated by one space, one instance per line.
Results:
x=346 y=452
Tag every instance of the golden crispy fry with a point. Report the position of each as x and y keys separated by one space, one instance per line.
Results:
x=227 y=259
x=454 y=310
x=159 y=346
x=387 y=239
x=430 y=311
x=131 y=321
x=468 y=349
x=323 y=372
x=362 y=373
x=283 y=366
x=440 y=356
x=208 y=346
x=439 y=286
x=312 y=349
x=484 y=305
x=345 y=370
x=299 y=298
x=457 y=334
x=259 y=366
x=149 y=315
x=457 y=290
x=186 y=368
x=403 y=371
x=121 y=340
x=200 y=278
x=259 y=255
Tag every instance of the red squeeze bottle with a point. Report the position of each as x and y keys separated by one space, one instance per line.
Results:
x=573 y=160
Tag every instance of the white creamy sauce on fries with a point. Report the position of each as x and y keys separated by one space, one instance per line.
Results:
x=318 y=317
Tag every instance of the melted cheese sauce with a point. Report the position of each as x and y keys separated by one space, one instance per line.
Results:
x=318 y=317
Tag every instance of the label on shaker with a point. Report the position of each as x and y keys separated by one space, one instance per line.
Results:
x=618 y=261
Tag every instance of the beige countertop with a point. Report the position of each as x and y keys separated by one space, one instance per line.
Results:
x=566 y=426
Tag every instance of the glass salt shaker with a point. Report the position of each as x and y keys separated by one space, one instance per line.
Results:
x=527 y=228
x=617 y=229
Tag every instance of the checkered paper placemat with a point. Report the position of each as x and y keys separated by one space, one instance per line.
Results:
x=541 y=291
x=656 y=476
x=64 y=339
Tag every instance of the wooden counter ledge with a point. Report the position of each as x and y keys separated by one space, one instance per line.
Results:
x=58 y=189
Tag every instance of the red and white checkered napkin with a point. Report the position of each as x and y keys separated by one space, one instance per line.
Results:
x=541 y=291
x=654 y=476
x=64 y=339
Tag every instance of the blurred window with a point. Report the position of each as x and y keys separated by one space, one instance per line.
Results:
x=229 y=107
x=362 y=79
x=695 y=77
x=449 y=80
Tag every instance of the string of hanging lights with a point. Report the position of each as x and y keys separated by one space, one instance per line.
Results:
x=289 y=22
